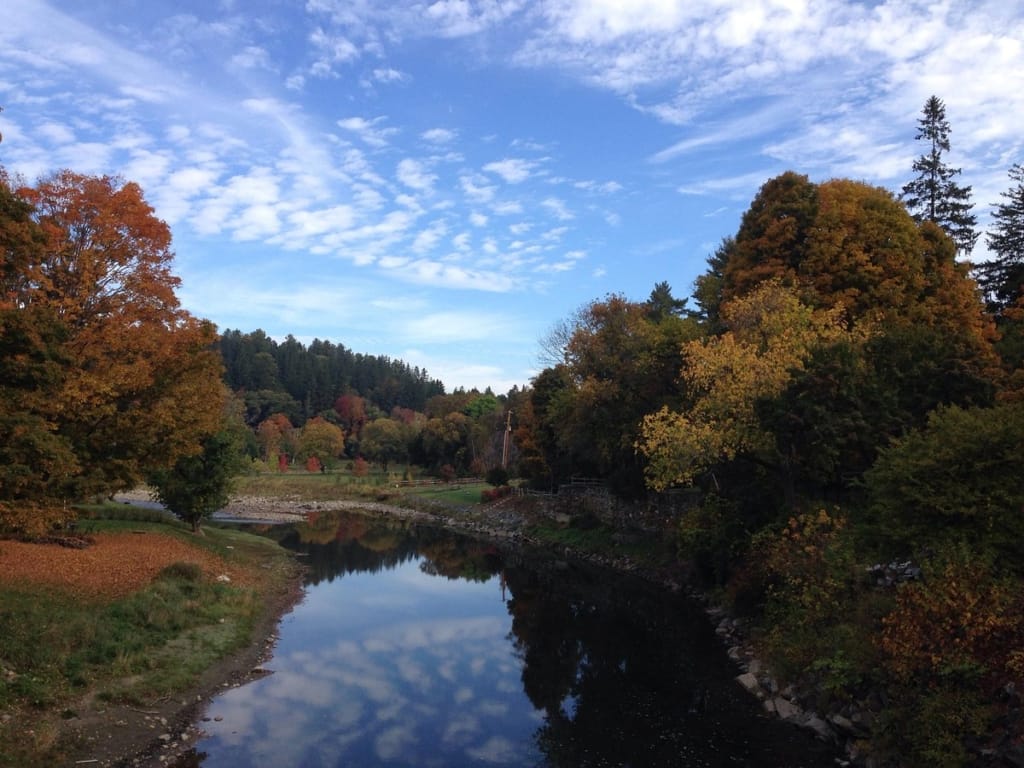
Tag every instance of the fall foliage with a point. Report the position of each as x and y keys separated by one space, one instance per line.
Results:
x=109 y=376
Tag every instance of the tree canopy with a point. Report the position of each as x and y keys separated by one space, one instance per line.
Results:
x=124 y=379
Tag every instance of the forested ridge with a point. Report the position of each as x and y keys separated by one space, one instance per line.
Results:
x=842 y=396
x=301 y=382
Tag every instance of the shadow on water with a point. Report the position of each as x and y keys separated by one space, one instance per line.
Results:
x=416 y=646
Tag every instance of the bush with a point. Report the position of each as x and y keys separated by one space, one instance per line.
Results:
x=488 y=495
x=182 y=572
x=32 y=520
x=497 y=476
x=958 y=479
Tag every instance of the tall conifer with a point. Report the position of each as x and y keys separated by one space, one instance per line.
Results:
x=934 y=195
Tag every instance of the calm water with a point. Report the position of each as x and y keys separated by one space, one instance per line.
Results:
x=415 y=647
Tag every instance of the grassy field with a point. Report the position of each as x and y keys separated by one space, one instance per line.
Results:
x=134 y=618
x=377 y=485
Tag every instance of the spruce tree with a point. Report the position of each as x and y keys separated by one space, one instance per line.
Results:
x=934 y=195
x=1002 y=278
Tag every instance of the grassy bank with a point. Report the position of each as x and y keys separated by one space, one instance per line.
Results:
x=80 y=636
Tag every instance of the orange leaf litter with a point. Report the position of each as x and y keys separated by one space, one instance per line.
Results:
x=117 y=565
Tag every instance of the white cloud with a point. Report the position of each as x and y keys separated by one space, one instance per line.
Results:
x=507 y=208
x=439 y=135
x=476 y=189
x=389 y=75
x=331 y=50
x=252 y=57
x=512 y=170
x=368 y=130
x=458 y=18
x=414 y=175
x=558 y=209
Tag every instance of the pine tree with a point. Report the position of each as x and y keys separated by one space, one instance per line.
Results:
x=1002 y=279
x=934 y=195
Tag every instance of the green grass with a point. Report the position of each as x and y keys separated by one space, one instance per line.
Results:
x=150 y=644
x=313 y=486
x=459 y=495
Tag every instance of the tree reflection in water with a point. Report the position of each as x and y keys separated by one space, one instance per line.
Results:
x=621 y=672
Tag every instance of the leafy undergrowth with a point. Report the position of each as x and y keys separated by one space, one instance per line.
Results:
x=137 y=615
x=645 y=549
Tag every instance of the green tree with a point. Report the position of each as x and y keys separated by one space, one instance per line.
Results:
x=958 y=479
x=385 y=441
x=1002 y=278
x=662 y=304
x=934 y=194
x=198 y=485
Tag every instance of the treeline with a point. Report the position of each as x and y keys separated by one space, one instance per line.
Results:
x=302 y=382
x=848 y=399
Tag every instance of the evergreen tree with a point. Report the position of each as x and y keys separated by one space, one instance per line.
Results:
x=934 y=195
x=1002 y=279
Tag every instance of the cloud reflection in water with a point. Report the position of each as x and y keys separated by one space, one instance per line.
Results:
x=393 y=668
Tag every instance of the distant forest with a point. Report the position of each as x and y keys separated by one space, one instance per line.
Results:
x=302 y=382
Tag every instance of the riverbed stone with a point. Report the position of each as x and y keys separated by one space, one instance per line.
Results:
x=750 y=682
x=819 y=726
x=786 y=709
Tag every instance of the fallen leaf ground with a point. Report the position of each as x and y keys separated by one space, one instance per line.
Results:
x=115 y=565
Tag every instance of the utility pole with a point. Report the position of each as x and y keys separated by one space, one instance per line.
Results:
x=507 y=445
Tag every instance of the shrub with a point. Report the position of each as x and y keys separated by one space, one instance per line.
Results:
x=33 y=520
x=497 y=476
x=957 y=479
x=182 y=572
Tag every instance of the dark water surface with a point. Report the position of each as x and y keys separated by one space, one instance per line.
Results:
x=417 y=647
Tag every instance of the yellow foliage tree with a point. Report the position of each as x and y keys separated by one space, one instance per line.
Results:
x=771 y=334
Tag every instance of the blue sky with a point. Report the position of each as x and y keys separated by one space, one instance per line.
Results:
x=444 y=181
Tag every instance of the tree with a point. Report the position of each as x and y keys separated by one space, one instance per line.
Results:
x=661 y=303
x=140 y=380
x=934 y=195
x=773 y=235
x=198 y=485
x=956 y=479
x=386 y=440
x=771 y=336
x=322 y=439
x=1002 y=279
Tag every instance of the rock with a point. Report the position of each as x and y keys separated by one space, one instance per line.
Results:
x=165 y=737
x=769 y=706
x=754 y=667
x=844 y=725
x=820 y=728
x=786 y=709
x=750 y=682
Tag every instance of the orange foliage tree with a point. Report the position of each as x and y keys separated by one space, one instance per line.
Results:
x=139 y=379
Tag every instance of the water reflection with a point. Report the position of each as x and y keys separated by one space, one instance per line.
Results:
x=417 y=647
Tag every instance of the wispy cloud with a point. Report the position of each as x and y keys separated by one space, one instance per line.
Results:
x=512 y=170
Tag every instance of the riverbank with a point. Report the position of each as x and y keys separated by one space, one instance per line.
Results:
x=160 y=731
x=111 y=648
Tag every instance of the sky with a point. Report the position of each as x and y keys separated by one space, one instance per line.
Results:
x=444 y=182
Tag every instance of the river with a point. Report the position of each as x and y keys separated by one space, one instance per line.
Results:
x=414 y=646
